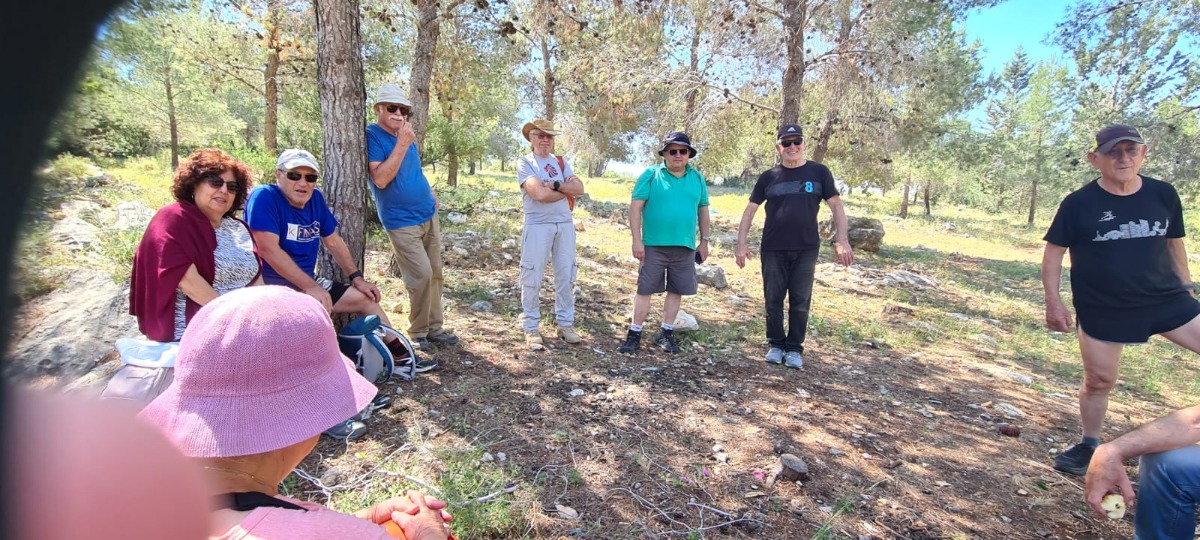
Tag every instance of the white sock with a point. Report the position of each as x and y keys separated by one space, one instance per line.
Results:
x=668 y=326
x=635 y=327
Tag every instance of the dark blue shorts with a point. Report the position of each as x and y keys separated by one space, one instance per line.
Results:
x=1137 y=325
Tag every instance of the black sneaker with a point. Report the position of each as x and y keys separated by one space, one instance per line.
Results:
x=423 y=365
x=444 y=337
x=633 y=340
x=380 y=402
x=666 y=340
x=1075 y=459
x=421 y=344
x=347 y=431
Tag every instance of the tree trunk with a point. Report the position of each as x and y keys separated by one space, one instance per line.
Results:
x=548 y=86
x=271 y=80
x=823 y=136
x=795 y=12
x=925 y=193
x=341 y=92
x=429 y=28
x=904 y=197
x=601 y=166
x=471 y=167
x=172 y=121
x=689 y=112
x=501 y=164
x=452 y=166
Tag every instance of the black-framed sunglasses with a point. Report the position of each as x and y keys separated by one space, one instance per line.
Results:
x=216 y=182
x=678 y=151
x=393 y=108
x=295 y=177
x=788 y=143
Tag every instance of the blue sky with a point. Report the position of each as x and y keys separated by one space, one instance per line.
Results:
x=1015 y=23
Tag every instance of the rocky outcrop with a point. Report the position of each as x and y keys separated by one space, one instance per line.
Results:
x=865 y=234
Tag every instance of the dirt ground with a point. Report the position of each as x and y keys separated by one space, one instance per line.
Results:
x=654 y=445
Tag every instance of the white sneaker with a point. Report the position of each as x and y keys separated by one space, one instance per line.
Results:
x=569 y=335
x=534 y=341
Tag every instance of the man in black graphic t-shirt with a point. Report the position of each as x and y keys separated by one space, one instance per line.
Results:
x=1129 y=273
x=793 y=192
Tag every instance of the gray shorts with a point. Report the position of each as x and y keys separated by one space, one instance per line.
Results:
x=667 y=268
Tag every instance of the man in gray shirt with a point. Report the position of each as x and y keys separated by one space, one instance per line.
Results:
x=549 y=188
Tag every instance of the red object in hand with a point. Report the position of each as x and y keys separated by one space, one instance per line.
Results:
x=393 y=529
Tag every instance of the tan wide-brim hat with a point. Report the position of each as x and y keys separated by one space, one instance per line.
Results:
x=545 y=126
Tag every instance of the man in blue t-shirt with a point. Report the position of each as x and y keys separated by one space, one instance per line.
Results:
x=407 y=209
x=1129 y=274
x=792 y=191
x=290 y=222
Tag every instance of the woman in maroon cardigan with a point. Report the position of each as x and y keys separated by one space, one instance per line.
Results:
x=194 y=249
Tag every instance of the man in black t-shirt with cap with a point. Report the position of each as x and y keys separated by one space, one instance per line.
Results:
x=1129 y=274
x=793 y=191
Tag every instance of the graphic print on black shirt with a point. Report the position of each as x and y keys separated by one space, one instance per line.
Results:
x=1119 y=245
x=793 y=197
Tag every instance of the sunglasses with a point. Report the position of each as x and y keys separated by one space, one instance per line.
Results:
x=394 y=108
x=1116 y=153
x=216 y=182
x=790 y=142
x=295 y=177
x=541 y=135
x=678 y=151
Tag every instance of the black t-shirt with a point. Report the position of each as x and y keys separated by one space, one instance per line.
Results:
x=794 y=195
x=1118 y=244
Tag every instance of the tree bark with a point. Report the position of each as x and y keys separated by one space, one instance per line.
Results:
x=452 y=166
x=925 y=193
x=342 y=94
x=429 y=29
x=823 y=136
x=172 y=121
x=471 y=167
x=548 y=84
x=271 y=80
x=904 y=197
x=795 y=12
x=689 y=112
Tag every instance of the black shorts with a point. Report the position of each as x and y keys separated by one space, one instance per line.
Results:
x=1137 y=325
x=336 y=290
x=667 y=268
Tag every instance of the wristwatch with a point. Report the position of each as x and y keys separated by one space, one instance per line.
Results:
x=355 y=274
x=706 y=238
x=557 y=185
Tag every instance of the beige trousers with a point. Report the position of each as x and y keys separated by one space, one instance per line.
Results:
x=419 y=251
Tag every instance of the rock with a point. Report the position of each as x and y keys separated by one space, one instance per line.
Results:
x=331 y=477
x=865 y=233
x=711 y=275
x=1008 y=410
x=455 y=217
x=789 y=468
x=987 y=340
x=579 y=226
x=902 y=278
x=923 y=326
x=835 y=452
x=482 y=305
x=501 y=457
x=1008 y=430
x=461 y=251
x=132 y=216
x=718 y=448
x=566 y=512
x=721 y=457
x=959 y=316
x=686 y=322
x=487 y=457
x=79 y=207
x=75 y=233
x=509 y=244
x=1002 y=373
x=73 y=327
x=576 y=393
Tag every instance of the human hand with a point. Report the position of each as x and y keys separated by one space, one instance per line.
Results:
x=404 y=132
x=382 y=512
x=1105 y=472
x=424 y=519
x=322 y=296
x=639 y=250
x=703 y=249
x=367 y=288
x=741 y=255
x=843 y=252
x=1058 y=317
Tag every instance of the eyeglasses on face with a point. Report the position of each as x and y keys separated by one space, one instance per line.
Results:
x=541 y=135
x=1116 y=152
x=393 y=108
x=295 y=177
x=790 y=142
x=678 y=151
x=216 y=182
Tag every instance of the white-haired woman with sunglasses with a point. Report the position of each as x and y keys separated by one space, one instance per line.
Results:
x=194 y=249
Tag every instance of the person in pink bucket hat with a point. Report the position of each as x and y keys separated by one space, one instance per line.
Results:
x=258 y=377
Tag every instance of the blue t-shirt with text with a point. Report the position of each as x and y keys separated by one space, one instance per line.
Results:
x=407 y=200
x=300 y=230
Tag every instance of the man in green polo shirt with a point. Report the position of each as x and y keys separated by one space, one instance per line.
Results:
x=669 y=201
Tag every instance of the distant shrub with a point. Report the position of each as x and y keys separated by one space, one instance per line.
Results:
x=69 y=167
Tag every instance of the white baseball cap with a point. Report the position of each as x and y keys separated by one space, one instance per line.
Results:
x=391 y=93
x=295 y=157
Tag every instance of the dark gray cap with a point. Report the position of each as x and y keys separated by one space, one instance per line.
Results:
x=1111 y=135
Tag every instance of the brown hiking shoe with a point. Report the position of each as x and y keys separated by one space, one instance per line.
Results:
x=569 y=335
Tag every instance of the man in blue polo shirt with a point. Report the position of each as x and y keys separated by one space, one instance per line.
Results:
x=290 y=222
x=407 y=209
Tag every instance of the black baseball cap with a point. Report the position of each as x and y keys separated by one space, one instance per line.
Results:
x=680 y=138
x=1111 y=135
x=789 y=130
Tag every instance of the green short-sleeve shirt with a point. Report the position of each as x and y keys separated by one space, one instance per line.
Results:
x=670 y=215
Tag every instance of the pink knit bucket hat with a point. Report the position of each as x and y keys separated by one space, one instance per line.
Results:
x=258 y=370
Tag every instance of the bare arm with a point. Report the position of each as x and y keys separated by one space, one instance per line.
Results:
x=1179 y=257
x=540 y=192
x=274 y=255
x=341 y=255
x=743 y=250
x=702 y=219
x=195 y=287
x=841 y=240
x=1057 y=316
x=572 y=186
x=635 y=227
x=1172 y=431
x=384 y=172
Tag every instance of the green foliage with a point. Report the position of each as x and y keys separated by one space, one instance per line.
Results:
x=69 y=167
